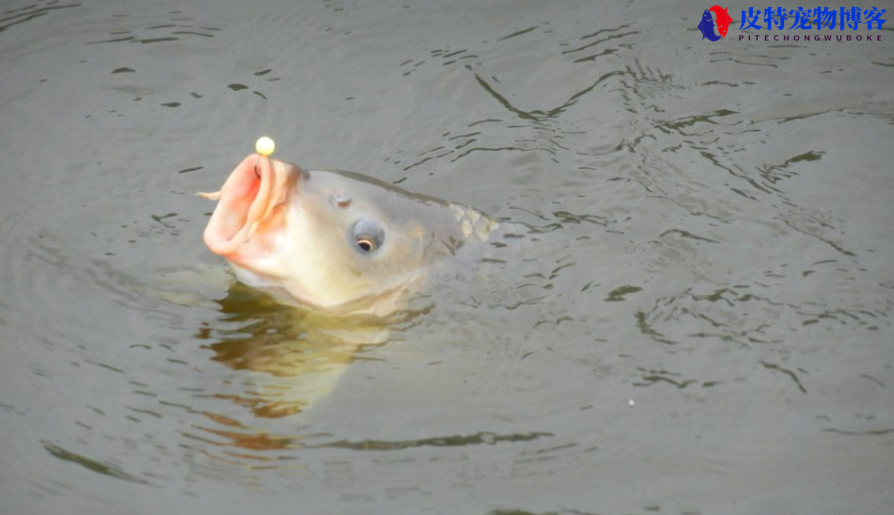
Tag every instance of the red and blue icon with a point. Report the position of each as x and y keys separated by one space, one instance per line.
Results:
x=708 y=24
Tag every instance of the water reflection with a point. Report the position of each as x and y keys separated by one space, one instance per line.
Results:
x=242 y=437
x=289 y=359
x=11 y=17
x=92 y=465
x=176 y=27
x=297 y=355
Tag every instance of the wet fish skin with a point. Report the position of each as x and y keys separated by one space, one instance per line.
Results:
x=334 y=240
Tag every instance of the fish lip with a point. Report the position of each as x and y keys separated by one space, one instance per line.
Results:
x=242 y=226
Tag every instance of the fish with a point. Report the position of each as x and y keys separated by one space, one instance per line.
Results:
x=333 y=240
x=723 y=19
x=707 y=26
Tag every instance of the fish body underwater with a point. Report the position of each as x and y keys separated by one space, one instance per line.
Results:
x=333 y=240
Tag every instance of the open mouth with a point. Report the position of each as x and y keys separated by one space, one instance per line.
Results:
x=247 y=215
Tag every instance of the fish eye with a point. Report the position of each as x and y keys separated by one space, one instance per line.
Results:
x=367 y=235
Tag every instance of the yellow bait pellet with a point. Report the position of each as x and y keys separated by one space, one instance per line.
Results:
x=265 y=146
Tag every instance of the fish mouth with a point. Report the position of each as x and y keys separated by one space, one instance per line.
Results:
x=249 y=212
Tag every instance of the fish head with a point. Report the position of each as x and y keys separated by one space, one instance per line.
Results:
x=334 y=240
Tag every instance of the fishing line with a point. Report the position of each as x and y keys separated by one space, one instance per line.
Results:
x=256 y=56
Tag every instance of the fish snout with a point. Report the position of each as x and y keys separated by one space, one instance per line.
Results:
x=246 y=216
